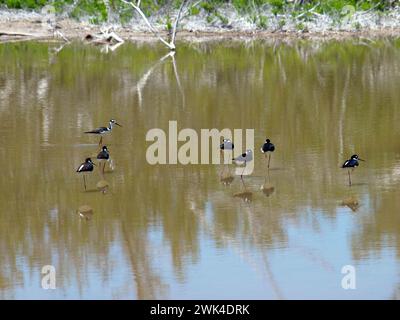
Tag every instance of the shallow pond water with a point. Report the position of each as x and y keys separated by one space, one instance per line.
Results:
x=198 y=231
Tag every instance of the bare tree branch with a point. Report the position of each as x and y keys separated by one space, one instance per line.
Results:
x=177 y=21
x=137 y=8
x=171 y=44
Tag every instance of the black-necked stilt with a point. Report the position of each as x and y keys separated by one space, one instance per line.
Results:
x=227 y=145
x=244 y=157
x=103 y=156
x=268 y=147
x=352 y=163
x=103 y=130
x=87 y=166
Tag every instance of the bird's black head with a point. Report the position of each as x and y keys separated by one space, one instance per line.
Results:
x=112 y=121
x=88 y=160
x=356 y=157
x=267 y=141
x=104 y=148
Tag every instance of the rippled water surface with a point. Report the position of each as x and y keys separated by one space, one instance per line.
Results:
x=198 y=231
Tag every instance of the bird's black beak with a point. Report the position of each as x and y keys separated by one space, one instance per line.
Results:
x=118 y=124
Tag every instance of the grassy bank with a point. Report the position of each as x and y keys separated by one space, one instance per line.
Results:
x=240 y=15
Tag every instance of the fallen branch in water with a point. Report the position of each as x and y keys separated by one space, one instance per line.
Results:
x=13 y=36
x=19 y=34
x=106 y=36
x=58 y=33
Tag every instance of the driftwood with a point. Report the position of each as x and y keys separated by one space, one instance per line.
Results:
x=20 y=36
x=106 y=37
x=59 y=34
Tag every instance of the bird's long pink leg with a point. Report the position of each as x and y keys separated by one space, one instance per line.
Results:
x=269 y=159
x=244 y=186
x=241 y=176
x=349 y=177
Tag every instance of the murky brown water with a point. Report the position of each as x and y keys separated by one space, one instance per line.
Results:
x=175 y=231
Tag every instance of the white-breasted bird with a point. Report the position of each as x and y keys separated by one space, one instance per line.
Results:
x=103 y=156
x=85 y=167
x=102 y=130
x=268 y=147
x=227 y=145
x=244 y=157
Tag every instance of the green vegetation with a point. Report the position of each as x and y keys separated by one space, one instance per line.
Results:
x=98 y=10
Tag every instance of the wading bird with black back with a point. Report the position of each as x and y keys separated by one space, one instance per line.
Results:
x=351 y=163
x=268 y=148
x=244 y=157
x=85 y=167
x=103 y=130
x=103 y=157
x=228 y=146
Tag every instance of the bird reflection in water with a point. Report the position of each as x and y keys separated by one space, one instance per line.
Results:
x=103 y=186
x=351 y=202
x=85 y=212
x=245 y=195
x=226 y=180
x=267 y=188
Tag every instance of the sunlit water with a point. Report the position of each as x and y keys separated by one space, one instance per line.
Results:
x=178 y=232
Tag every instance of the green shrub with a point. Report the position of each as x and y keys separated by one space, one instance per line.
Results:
x=96 y=11
x=262 y=22
x=277 y=6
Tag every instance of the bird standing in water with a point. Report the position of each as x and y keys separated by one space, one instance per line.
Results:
x=352 y=163
x=103 y=156
x=268 y=147
x=87 y=166
x=102 y=130
x=226 y=145
x=244 y=157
